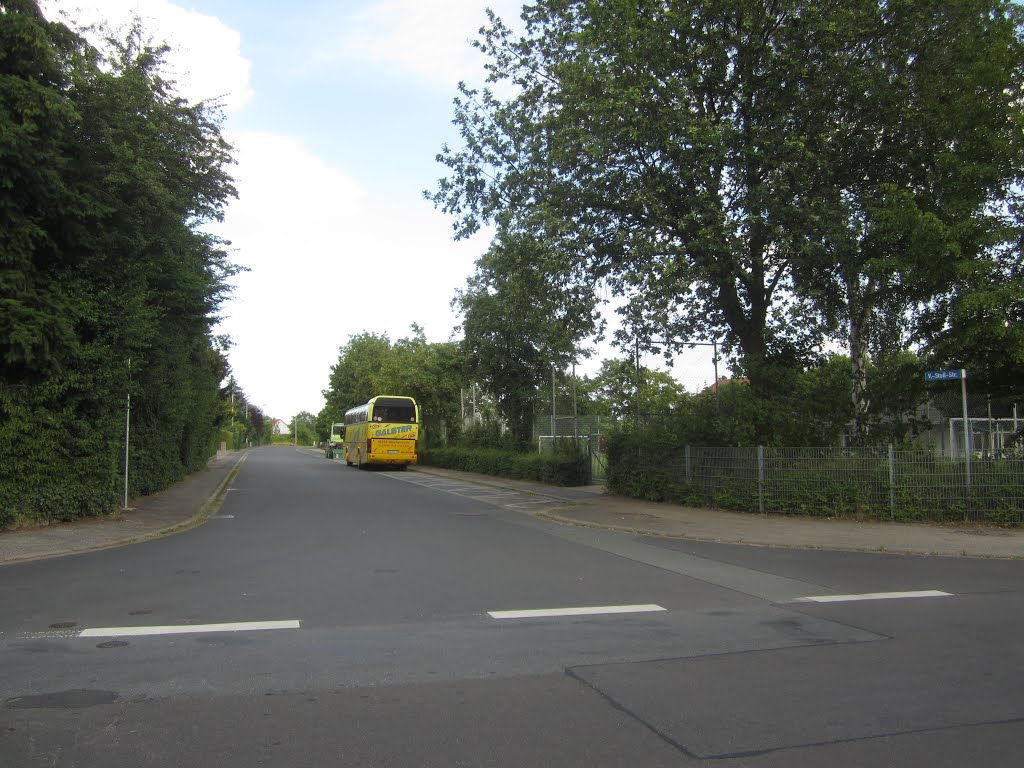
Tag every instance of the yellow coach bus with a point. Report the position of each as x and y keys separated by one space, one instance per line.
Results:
x=384 y=431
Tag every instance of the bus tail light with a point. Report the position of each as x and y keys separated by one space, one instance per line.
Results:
x=369 y=446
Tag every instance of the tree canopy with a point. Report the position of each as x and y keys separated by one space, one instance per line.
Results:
x=778 y=174
x=370 y=365
x=520 y=316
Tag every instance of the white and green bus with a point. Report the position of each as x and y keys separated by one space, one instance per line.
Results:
x=385 y=431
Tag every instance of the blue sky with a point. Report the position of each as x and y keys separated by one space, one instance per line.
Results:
x=336 y=109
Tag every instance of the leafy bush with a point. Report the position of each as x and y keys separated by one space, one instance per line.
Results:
x=853 y=483
x=557 y=469
x=631 y=473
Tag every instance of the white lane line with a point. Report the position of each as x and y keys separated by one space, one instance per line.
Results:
x=594 y=610
x=188 y=629
x=873 y=596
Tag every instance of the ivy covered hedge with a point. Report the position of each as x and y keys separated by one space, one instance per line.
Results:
x=109 y=287
x=556 y=469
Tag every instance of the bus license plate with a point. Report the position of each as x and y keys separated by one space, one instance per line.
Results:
x=392 y=451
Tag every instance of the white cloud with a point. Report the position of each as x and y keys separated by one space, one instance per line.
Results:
x=327 y=261
x=429 y=39
x=326 y=258
x=205 y=59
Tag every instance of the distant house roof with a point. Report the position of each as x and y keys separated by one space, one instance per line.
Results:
x=726 y=380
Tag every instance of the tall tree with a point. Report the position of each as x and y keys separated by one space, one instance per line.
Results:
x=431 y=373
x=980 y=327
x=520 y=315
x=370 y=365
x=918 y=151
x=356 y=377
x=621 y=390
x=707 y=159
x=662 y=145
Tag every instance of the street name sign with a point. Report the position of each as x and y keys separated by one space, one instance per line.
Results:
x=954 y=375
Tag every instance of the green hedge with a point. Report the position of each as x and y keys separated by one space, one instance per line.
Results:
x=852 y=483
x=58 y=466
x=558 y=469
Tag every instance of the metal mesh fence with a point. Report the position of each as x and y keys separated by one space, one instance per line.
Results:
x=591 y=446
x=867 y=483
x=568 y=426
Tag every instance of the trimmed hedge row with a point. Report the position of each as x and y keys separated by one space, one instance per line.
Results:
x=555 y=469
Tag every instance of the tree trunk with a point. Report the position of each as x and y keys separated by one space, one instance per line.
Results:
x=858 y=339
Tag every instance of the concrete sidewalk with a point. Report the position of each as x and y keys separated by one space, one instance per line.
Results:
x=590 y=506
x=182 y=506
x=194 y=499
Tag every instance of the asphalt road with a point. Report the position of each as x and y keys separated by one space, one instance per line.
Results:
x=387 y=645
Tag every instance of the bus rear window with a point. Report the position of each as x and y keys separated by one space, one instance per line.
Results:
x=406 y=414
x=395 y=411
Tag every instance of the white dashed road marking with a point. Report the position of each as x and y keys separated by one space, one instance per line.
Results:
x=873 y=596
x=189 y=629
x=596 y=610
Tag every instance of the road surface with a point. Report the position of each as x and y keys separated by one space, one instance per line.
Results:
x=331 y=616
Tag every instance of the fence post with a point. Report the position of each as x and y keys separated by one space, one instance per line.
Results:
x=892 y=482
x=689 y=470
x=760 y=479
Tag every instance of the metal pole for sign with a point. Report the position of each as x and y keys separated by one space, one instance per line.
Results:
x=127 y=432
x=575 y=409
x=967 y=428
x=553 y=425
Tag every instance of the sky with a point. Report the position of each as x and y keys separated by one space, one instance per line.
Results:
x=336 y=110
